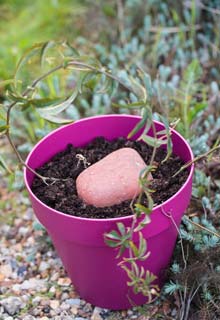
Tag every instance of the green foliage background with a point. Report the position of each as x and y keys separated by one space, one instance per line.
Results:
x=23 y=23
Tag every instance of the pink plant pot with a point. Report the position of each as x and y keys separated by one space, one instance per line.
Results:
x=89 y=262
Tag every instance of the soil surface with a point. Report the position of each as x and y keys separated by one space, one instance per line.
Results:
x=62 y=195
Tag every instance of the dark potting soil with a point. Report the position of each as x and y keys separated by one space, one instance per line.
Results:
x=62 y=194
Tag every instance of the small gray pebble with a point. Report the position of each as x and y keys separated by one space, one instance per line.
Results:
x=1 y=310
x=174 y=312
x=29 y=317
x=62 y=317
x=36 y=300
x=87 y=307
x=12 y=305
x=64 y=296
x=65 y=306
x=33 y=284
x=13 y=264
x=73 y=302
x=36 y=312
x=82 y=302
x=43 y=266
x=29 y=214
x=23 y=231
x=21 y=270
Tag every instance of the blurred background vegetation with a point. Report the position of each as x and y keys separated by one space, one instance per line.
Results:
x=177 y=44
x=23 y=23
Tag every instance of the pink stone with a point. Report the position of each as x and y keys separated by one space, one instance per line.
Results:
x=111 y=180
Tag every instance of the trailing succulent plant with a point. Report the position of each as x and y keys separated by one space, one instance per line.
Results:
x=195 y=284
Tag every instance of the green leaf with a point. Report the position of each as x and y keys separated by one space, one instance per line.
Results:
x=106 y=85
x=121 y=228
x=161 y=132
x=142 y=245
x=4 y=165
x=192 y=73
x=29 y=53
x=113 y=87
x=57 y=108
x=57 y=120
x=140 y=252
x=147 y=126
x=83 y=63
x=150 y=277
x=3 y=128
x=91 y=61
x=189 y=86
x=3 y=113
x=144 y=172
x=113 y=235
x=146 y=220
x=133 y=105
x=73 y=51
x=91 y=80
x=172 y=287
x=195 y=110
x=122 y=249
x=15 y=97
x=83 y=77
x=150 y=200
x=45 y=47
x=6 y=82
x=142 y=208
x=140 y=124
x=138 y=89
x=134 y=248
x=153 y=141
x=92 y=83
x=111 y=243
x=169 y=150
x=165 y=121
x=42 y=103
x=147 y=82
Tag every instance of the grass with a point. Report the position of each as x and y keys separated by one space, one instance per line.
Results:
x=23 y=23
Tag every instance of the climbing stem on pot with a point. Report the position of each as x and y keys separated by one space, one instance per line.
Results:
x=45 y=179
x=141 y=281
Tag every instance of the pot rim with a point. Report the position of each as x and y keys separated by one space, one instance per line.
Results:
x=107 y=219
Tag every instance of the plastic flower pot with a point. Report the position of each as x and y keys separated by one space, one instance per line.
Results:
x=89 y=262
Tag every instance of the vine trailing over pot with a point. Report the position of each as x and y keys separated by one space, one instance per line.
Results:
x=61 y=65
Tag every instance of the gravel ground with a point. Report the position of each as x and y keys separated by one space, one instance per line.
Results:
x=33 y=283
